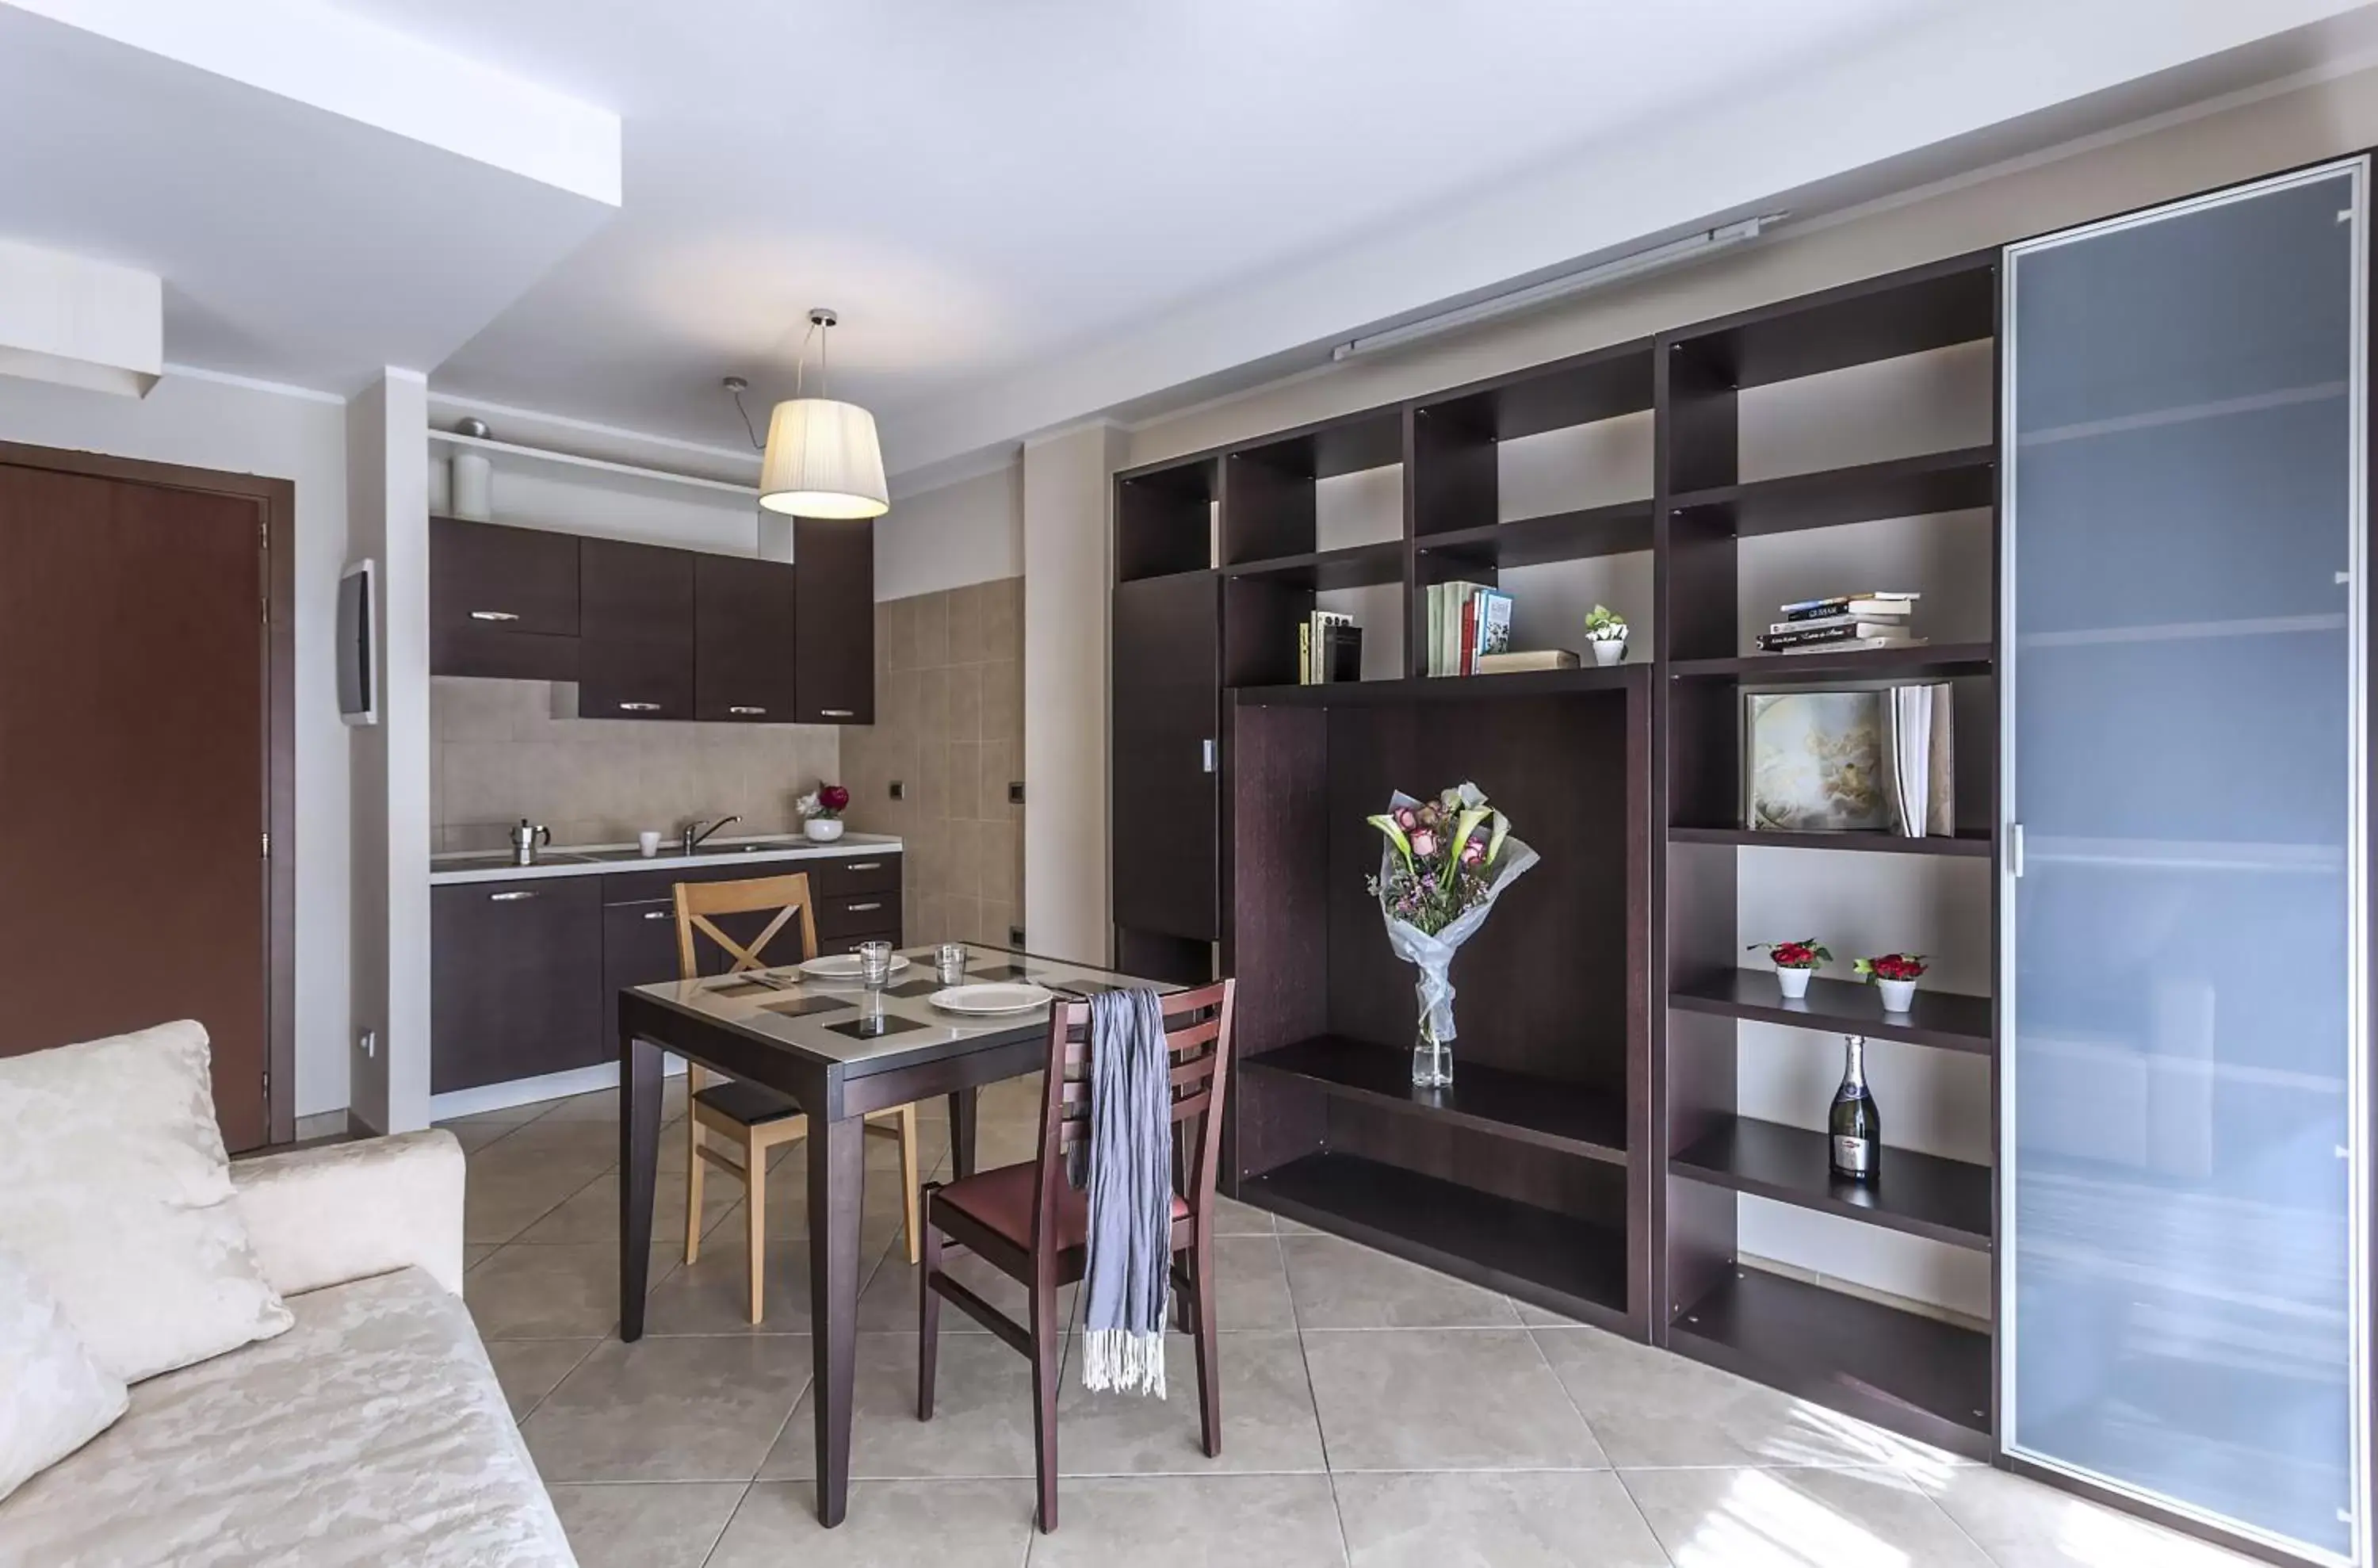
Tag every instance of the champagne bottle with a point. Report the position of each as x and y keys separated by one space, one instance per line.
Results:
x=1855 y=1125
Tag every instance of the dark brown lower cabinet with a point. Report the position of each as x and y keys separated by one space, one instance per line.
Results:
x=639 y=948
x=516 y=979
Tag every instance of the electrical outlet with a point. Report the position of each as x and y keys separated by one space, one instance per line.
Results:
x=1016 y=936
x=900 y=791
x=1015 y=794
x=367 y=1042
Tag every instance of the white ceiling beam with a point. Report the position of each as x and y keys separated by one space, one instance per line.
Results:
x=79 y=323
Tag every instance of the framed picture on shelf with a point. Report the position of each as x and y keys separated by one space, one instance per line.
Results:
x=1861 y=760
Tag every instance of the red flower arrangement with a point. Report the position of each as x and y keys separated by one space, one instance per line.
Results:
x=823 y=805
x=1807 y=953
x=1891 y=966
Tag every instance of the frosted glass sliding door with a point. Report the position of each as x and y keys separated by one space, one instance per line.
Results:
x=2181 y=975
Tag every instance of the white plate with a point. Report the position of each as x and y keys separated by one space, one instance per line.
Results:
x=845 y=965
x=988 y=998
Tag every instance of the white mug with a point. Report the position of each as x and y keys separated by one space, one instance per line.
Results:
x=649 y=841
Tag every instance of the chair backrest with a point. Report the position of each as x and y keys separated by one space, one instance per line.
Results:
x=1198 y=1038
x=787 y=897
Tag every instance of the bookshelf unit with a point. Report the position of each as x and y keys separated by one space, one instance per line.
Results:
x=1592 y=1151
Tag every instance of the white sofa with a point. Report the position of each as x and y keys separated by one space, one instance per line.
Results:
x=372 y=1432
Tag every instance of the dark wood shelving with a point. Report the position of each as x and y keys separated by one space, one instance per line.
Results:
x=1446 y=688
x=1943 y=1020
x=1882 y=318
x=1865 y=664
x=1560 y=535
x=1976 y=846
x=1356 y=566
x=1906 y=487
x=1570 y=1117
x=1559 y=1262
x=1918 y=1375
x=1925 y=1195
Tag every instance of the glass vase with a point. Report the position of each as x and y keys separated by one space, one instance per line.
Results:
x=1432 y=1057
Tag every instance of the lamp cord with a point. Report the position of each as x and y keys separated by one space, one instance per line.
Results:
x=749 y=434
x=800 y=360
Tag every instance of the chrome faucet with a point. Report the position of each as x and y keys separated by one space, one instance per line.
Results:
x=695 y=833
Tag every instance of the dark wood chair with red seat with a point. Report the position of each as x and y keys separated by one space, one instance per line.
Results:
x=1029 y=1222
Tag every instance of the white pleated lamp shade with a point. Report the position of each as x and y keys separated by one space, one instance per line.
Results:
x=823 y=460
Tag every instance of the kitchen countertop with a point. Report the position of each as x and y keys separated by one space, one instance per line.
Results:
x=594 y=860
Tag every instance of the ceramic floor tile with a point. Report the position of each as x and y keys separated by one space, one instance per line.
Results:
x=711 y=1295
x=589 y=1143
x=888 y=1305
x=1234 y=1218
x=1793 y=1518
x=2022 y=1524
x=982 y=1415
x=1251 y=1284
x=528 y=1369
x=1495 y=1519
x=503 y=1197
x=475 y=1133
x=1194 y=1522
x=1341 y=1285
x=669 y=1410
x=592 y=1213
x=1650 y=1407
x=602 y=1105
x=477 y=1252
x=1443 y=1399
x=1269 y=1422
x=552 y=1291
x=943 y=1524
x=644 y=1524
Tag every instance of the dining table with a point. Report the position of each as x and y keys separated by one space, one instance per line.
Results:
x=839 y=1049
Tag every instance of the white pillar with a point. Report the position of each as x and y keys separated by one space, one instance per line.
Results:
x=1067 y=587
x=387 y=519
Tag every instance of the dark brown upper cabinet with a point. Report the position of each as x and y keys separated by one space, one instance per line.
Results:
x=503 y=602
x=834 y=569
x=743 y=644
x=635 y=630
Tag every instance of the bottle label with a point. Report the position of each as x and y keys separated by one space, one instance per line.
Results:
x=1854 y=1156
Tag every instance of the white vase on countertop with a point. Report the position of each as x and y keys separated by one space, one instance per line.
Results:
x=822 y=829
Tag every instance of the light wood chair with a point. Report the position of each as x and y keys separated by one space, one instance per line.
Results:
x=751 y=1119
x=1027 y=1222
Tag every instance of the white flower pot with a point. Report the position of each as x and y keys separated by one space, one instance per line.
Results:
x=1898 y=995
x=1608 y=653
x=822 y=829
x=1794 y=982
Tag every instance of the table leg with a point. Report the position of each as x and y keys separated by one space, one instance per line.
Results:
x=837 y=1170
x=963 y=1105
x=640 y=1152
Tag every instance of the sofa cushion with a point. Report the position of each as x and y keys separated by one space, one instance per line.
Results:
x=115 y=1192
x=371 y=1433
x=58 y=1397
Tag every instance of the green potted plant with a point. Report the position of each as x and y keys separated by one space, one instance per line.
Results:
x=1893 y=974
x=1795 y=962
x=1605 y=632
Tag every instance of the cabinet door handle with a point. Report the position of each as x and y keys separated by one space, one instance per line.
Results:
x=864 y=866
x=513 y=897
x=860 y=908
x=748 y=712
x=837 y=713
x=493 y=615
x=1206 y=754
x=640 y=707
x=657 y=914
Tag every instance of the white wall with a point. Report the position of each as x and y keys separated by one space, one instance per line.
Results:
x=287 y=435
x=971 y=531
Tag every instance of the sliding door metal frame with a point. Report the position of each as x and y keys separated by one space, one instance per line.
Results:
x=2358 y=1077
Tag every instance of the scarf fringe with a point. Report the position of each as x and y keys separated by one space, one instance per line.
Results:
x=1123 y=1361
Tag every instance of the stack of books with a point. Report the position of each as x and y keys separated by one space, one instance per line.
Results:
x=1466 y=621
x=1329 y=648
x=1871 y=619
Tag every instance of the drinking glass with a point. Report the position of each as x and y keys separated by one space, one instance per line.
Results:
x=950 y=962
x=875 y=964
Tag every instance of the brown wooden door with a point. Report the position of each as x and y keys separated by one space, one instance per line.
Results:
x=1166 y=713
x=133 y=680
x=743 y=640
x=833 y=570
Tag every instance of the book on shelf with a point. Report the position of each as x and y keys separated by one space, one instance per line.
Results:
x=1920 y=730
x=1886 y=624
x=1341 y=651
x=1447 y=605
x=1868 y=603
x=1844 y=631
x=1846 y=644
x=1485 y=628
x=1533 y=659
x=1316 y=663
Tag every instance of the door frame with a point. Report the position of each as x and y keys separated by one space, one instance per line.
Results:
x=276 y=504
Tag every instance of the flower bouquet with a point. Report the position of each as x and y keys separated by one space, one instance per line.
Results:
x=1893 y=974
x=821 y=812
x=1795 y=962
x=1444 y=863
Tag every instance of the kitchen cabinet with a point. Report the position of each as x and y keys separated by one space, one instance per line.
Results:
x=516 y=981
x=1167 y=699
x=743 y=642
x=834 y=622
x=503 y=602
x=635 y=630
x=639 y=948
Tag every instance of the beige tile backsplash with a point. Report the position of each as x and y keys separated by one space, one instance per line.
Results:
x=503 y=750
x=949 y=726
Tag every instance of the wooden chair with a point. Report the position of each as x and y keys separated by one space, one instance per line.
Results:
x=754 y=1120
x=1027 y=1220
